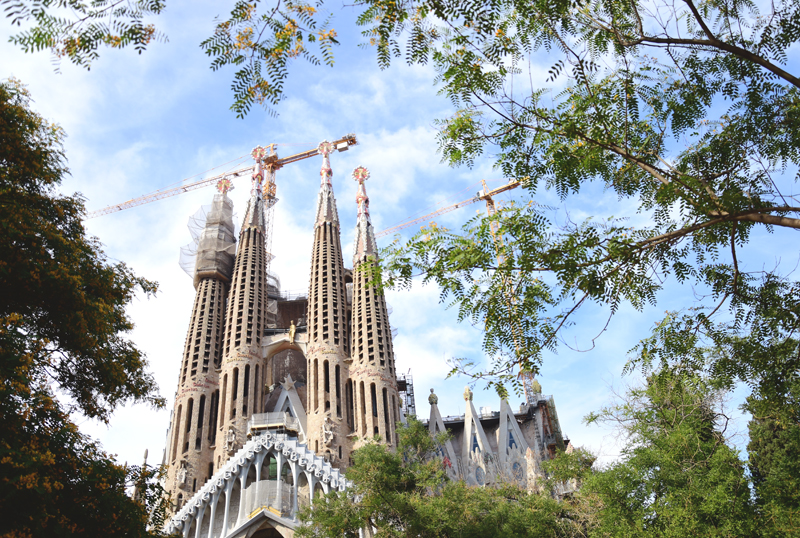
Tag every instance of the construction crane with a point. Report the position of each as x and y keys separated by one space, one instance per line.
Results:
x=486 y=195
x=270 y=163
x=525 y=376
x=483 y=195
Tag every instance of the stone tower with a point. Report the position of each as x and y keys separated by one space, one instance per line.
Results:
x=193 y=431
x=372 y=371
x=242 y=371
x=328 y=408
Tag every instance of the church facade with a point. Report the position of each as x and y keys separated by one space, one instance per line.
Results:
x=276 y=391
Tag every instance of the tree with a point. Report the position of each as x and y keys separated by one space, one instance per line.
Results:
x=677 y=475
x=62 y=325
x=774 y=445
x=407 y=493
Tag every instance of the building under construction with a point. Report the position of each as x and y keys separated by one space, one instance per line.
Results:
x=276 y=391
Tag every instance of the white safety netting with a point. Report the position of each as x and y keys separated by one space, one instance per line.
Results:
x=214 y=242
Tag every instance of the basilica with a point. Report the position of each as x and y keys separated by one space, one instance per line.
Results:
x=276 y=391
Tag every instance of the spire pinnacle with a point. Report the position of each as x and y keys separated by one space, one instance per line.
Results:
x=326 y=204
x=224 y=186
x=254 y=215
x=365 y=245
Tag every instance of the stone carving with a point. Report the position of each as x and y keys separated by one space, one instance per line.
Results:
x=230 y=440
x=292 y=330
x=288 y=383
x=467 y=394
x=480 y=476
x=433 y=399
x=182 y=476
x=182 y=472
x=327 y=430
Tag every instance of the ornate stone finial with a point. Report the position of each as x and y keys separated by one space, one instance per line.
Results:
x=361 y=174
x=433 y=399
x=224 y=185
x=467 y=394
x=258 y=155
x=325 y=149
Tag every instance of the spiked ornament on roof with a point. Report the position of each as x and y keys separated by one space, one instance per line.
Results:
x=224 y=185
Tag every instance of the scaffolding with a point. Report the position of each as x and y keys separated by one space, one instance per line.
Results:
x=213 y=246
x=405 y=387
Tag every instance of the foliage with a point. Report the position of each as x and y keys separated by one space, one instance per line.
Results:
x=407 y=493
x=76 y=29
x=672 y=117
x=774 y=449
x=54 y=481
x=62 y=321
x=262 y=45
x=678 y=476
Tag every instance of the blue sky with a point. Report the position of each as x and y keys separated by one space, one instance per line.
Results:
x=136 y=123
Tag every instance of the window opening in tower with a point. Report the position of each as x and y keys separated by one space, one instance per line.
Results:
x=337 y=394
x=176 y=434
x=245 y=389
x=234 y=391
x=189 y=410
x=386 y=415
x=200 y=417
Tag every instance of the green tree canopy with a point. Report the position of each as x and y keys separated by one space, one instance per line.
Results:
x=407 y=493
x=678 y=475
x=62 y=326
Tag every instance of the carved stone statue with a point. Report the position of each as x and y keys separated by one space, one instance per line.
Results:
x=292 y=330
x=182 y=473
x=181 y=477
x=230 y=440
x=467 y=394
x=433 y=399
x=327 y=430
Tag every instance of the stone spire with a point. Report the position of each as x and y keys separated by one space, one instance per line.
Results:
x=329 y=408
x=326 y=204
x=365 y=245
x=242 y=372
x=372 y=371
x=193 y=431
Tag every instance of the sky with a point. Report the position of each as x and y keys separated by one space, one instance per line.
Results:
x=137 y=123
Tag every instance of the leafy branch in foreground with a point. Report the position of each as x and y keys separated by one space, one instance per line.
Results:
x=262 y=45
x=76 y=29
x=692 y=124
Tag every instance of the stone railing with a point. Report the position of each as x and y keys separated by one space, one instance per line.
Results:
x=266 y=421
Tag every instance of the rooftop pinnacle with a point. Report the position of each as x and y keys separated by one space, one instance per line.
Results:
x=254 y=214
x=326 y=204
x=365 y=245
